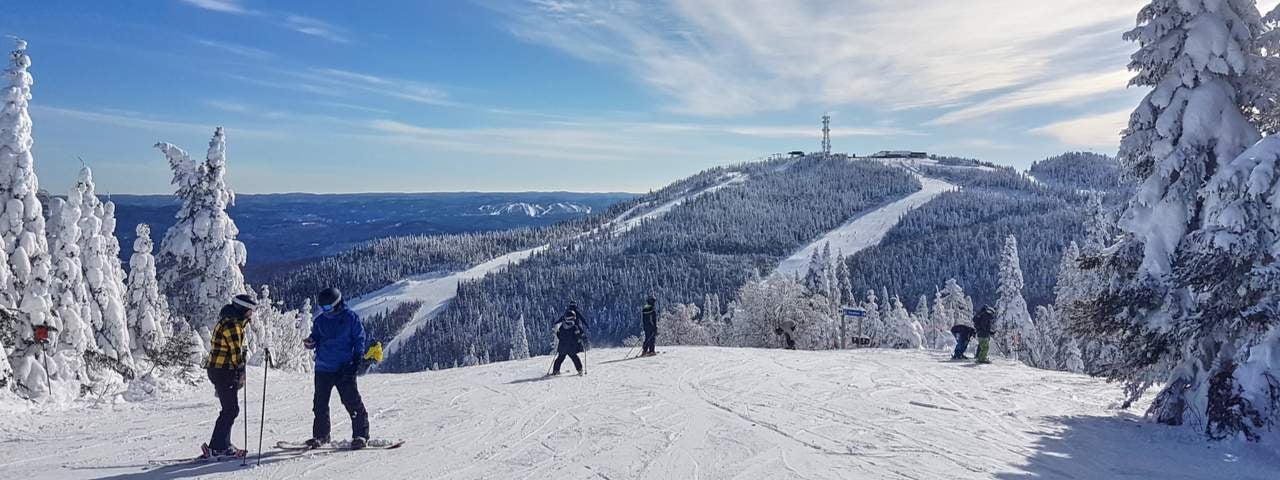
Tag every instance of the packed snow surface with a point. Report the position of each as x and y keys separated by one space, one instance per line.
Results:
x=865 y=230
x=688 y=413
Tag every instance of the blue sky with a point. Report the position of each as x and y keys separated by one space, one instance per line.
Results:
x=609 y=95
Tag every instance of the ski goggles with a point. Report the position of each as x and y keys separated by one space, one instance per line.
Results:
x=326 y=308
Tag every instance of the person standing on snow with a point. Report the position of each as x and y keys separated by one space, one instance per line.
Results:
x=570 y=338
x=338 y=338
x=982 y=325
x=226 y=369
x=649 y=320
x=787 y=329
x=962 y=332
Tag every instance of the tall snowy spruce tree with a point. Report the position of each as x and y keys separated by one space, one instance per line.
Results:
x=519 y=340
x=69 y=292
x=200 y=258
x=1016 y=335
x=1189 y=292
x=22 y=232
x=100 y=258
x=148 y=312
x=951 y=306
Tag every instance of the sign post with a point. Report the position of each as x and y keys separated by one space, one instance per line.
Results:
x=859 y=314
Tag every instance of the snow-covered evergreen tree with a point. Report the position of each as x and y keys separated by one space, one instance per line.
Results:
x=872 y=326
x=102 y=273
x=1183 y=290
x=1016 y=335
x=679 y=326
x=69 y=293
x=200 y=258
x=148 y=312
x=519 y=340
x=902 y=330
x=22 y=231
x=951 y=307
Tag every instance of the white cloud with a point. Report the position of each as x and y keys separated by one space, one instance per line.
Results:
x=224 y=6
x=315 y=27
x=141 y=122
x=554 y=142
x=725 y=57
x=232 y=48
x=1057 y=92
x=1101 y=131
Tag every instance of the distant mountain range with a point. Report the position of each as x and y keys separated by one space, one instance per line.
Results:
x=279 y=228
x=557 y=209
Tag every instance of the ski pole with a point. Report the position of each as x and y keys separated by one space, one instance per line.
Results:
x=262 y=424
x=633 y=348
x=244 y=462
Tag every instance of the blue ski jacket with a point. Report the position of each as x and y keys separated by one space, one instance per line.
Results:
x=339 y=341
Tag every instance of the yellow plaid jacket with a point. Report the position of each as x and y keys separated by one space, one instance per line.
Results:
x=226 y=346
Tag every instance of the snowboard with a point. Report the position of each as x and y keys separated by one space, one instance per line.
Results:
x=374 y=444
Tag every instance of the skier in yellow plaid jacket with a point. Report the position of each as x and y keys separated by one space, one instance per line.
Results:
x=226 y=368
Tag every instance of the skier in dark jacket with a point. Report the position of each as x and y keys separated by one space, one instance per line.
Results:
x=788 y=331
x=338 y=337
x=982 y=324
x=570 y=337
x=226 y=370
x=649 y=320
x=962 y=333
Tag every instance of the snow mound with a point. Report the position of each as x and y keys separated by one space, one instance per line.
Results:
x=688 y=413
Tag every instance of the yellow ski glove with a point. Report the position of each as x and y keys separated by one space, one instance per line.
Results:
x=374 y=353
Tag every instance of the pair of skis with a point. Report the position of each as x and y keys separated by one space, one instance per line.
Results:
x=343 y=445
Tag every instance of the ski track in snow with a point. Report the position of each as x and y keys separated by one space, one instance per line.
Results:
x=436 y=290
x=691 y=412
x=869 y=228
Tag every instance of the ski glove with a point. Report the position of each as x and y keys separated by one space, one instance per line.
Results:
x=374 y=353
x=309 y=343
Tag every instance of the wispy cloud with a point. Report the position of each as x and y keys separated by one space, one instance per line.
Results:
x=224 y=6
x=1058 y=92
x=411 y=90
x=1100 y=131
x=592 y=144
x=726 y=57
x=298 y=23
x=227 y=106
x=241 y=50
x=139 y=121
x=316 y=28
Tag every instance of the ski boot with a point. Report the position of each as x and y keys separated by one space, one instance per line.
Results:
x=359 y=443
x=316 y=442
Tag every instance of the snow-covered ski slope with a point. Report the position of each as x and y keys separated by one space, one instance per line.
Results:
x=704 y=413
x=433 y=290
x=867 y=229
x=436 y=290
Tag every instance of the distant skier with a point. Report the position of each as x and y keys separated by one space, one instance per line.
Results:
x=570 y=337
x=226 y=370
x=788 y=330
x=338 y=337
x=963 y=333
x=982 y=325
x=649 y=320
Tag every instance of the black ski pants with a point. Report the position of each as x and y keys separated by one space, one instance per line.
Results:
x=226 y=382
x=650 y=340
x=577 y=363
x=350 y=395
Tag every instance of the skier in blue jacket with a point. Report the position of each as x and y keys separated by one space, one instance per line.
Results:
x=338 y=338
